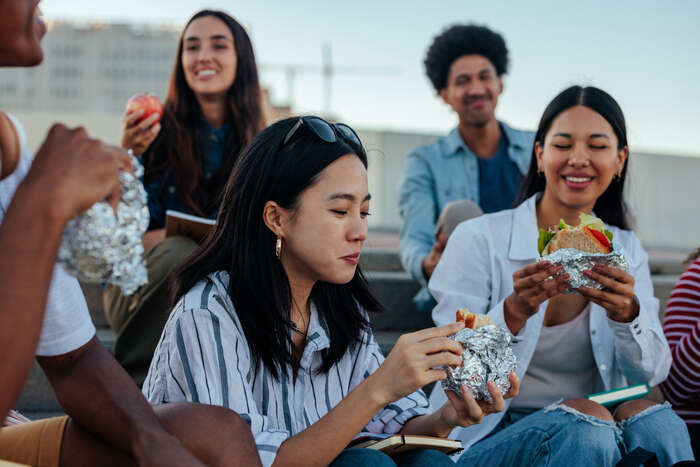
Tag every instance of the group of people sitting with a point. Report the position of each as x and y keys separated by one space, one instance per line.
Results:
x=256 y=348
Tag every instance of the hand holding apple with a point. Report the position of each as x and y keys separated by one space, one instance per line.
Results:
x=140 y=124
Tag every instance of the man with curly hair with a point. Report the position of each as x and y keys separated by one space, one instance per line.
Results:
x=478 y=167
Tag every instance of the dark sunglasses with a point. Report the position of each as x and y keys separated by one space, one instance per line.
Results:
x=326 y=131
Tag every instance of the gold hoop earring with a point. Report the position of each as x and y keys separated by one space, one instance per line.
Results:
x=278 y=247
x=618 y=176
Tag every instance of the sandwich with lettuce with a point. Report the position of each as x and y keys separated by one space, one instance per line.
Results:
x=590 y=236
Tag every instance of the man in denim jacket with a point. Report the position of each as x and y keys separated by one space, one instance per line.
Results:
x=477 y=167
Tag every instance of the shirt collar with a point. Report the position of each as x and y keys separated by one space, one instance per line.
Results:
x=317 y=334
x=219 y=133
x=524 y=231
x=513 y=138
x=454 y=141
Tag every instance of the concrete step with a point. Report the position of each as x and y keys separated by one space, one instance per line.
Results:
x=380 y=260
x=93 y=297
x=395 y=290
x=663 y=284
x=662 y=265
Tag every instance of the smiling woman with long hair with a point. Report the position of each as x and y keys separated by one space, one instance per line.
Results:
x=212 y=110
x=272 y=313
x=571 y=345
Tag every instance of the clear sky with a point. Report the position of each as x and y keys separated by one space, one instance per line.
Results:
x=645 y=53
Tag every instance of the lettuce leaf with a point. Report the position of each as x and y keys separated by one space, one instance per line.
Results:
x=591 y=222
x=608 y=234
x=544 y=238
x=563 y=225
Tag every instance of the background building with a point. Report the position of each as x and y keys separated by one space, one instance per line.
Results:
x=91 y=70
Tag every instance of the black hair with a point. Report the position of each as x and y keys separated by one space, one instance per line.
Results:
x=244 y=247
x=610 y=206
x=459 y=40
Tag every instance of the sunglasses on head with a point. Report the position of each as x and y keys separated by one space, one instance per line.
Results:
x=326 y=131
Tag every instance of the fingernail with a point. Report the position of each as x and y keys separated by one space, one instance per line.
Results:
x=546 y=263
x=460 y=324
x=586 y=272
x=566 y=276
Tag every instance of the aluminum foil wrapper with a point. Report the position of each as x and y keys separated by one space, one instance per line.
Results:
x=99 y=246
x=576 y=261
x=487 y=355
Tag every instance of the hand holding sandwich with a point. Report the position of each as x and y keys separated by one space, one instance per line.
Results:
x=532 y=285
x=618 y=296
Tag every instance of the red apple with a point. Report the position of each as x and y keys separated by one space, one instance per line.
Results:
x=149 y=103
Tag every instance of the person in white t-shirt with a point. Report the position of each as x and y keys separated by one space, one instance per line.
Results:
x=110 y=421
x=570 y=345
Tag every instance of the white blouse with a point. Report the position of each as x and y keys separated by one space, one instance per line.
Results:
x=476 y=271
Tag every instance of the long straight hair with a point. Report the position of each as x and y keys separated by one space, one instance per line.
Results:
x=243 y=246
x=177 y=151
x=610 y=206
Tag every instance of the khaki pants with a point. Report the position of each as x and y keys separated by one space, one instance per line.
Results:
x=37 y=443
x=138 y=319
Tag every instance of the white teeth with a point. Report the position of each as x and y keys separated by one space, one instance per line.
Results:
x=578 y=179
x=206 y=73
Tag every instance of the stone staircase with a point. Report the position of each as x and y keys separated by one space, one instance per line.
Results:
x=393 y=286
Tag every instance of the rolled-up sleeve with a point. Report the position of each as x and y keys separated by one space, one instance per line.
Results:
x=640 y=345
x=418 y=209
x=391 y=418
x=205 y=359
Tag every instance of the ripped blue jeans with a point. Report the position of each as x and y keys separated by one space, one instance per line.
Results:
x=561 y=436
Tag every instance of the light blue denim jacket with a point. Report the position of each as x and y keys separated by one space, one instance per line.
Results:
x=434 y=175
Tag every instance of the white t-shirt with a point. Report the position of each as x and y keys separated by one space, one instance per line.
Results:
x=67 y=324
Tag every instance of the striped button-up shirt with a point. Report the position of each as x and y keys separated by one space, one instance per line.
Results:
x=203 y=356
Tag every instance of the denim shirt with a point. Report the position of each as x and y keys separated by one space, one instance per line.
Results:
x=162 y=191
x=434 y=175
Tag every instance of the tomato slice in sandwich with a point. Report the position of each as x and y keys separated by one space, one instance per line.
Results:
x=600 y=236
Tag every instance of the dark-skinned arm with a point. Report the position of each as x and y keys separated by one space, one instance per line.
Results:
x=29 y=237
x=99 y=395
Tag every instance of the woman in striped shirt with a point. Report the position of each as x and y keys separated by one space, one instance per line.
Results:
x=271 y=314
x=682 y=329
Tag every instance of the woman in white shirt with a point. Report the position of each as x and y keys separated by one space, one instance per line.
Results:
x=271 y=315
x=571 y=345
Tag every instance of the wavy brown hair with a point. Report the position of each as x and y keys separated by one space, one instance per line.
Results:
x=177 y=149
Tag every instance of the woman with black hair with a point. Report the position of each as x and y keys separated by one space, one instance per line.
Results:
x=271 y=318
x=571 y=345
x=213 y=109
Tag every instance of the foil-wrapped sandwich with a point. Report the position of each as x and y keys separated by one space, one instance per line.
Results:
x=99 y=246
x=487 y=355
x=580 y=248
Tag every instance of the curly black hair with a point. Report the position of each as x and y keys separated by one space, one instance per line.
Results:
x=459 y=40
